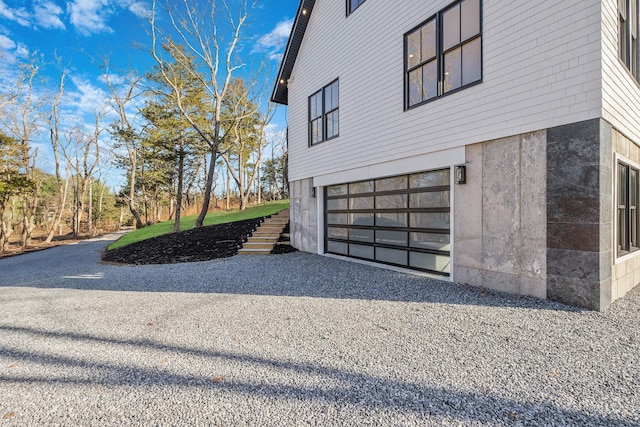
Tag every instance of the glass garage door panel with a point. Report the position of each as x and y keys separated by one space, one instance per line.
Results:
x=401 y=220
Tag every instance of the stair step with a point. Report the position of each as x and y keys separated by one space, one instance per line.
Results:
x=266 y=236
x=260 y=239
x=263 y=245
x=254 y=252
x=259 y=233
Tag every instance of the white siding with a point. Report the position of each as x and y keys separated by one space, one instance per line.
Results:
x=542 y=68
x=621 y=93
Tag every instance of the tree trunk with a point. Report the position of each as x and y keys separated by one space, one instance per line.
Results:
x=207 y=187
x=132 y=194
x=176 y=224
x=57 y=217
x=228 y=190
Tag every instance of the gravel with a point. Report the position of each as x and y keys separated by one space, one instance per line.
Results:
x=299 y=339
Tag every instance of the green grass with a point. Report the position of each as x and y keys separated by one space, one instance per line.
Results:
x=189 y=222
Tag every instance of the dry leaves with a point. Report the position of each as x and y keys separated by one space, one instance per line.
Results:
x=218 y=379
x=9 y=415
x=13 y=365
x=150 y=324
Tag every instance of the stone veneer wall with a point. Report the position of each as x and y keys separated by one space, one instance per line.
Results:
x=579 y=214
x=500 y=221
x=626 y=273
x=304 y=216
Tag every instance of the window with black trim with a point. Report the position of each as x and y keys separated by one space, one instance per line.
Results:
x=444 y=53
x=627 y=201
x=353 y=5
x=628 y=22
x=324 y=116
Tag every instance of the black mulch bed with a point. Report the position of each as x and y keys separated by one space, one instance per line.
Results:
x=198 y=244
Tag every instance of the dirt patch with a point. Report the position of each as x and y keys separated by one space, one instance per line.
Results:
x=198 y=244
x=38 y=243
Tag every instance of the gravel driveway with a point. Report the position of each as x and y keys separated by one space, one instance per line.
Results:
x=299 y=339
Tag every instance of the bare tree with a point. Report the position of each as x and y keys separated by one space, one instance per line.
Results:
x=62 y=186
x=20 y=121
x=245 y=138
x=123 y=129
x=82 y=152
x=197 y=29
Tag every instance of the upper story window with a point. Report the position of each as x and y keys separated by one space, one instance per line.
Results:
x=628 y=36
x=444 y=53
x=353 y=5
x=323 y=114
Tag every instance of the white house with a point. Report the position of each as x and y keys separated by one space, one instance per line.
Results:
x=487 y=142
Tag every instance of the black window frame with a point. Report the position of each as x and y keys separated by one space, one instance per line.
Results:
x=379 y=224
x=350 y=5
x=628 y=32
x=440 y=55
x=627 y=199
x=323 y=117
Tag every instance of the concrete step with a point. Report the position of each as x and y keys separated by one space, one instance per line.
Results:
x=263 y=233
x=270 y=227
x=244 y=251
x=256 y=245
x=259 y=239
x=266 y=236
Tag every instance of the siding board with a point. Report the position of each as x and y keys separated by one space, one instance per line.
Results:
x=541 y=68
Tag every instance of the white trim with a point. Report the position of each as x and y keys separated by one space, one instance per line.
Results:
x=452 y=210
x=425 y=162
x=320 y=216
x=619 y=260
x=390 y=267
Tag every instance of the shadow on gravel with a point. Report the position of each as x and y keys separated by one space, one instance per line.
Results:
x=343 y=387
x=296 y=274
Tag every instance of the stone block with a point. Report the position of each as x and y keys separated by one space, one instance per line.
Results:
x=501 y=281
x=575 y=143
x=579 y=265
x=532 y=252
x=500 y=205
x=468 y=252
x=575 y=292
x=575 y=237
x=533 y=287
x=469 y=276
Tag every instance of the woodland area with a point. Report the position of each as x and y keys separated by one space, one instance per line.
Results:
x=188 y=135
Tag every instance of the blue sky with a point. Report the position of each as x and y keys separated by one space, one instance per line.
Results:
x=83 y=32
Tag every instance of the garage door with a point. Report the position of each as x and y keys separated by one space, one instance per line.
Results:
x=402 y=221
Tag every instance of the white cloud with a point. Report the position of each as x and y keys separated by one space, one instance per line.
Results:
x=140 y=9
x=92 y=16
x=87 y=97
x=275 y=41
x=47 y=15
x=6 y=43
x=11 y=51
x=19 y=15
x=89 y=16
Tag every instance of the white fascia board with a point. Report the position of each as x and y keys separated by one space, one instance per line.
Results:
x=424 y=162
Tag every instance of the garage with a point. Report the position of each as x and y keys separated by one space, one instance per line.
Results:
x=402 y=221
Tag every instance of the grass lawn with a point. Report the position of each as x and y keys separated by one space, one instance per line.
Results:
x=189 y=222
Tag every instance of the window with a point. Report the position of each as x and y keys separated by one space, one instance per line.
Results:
x=627 y=201
x=353 y=5
x=628 y=35
x=323 y=114
x=444 y=53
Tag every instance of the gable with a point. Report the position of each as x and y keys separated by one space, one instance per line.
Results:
x=280 y=91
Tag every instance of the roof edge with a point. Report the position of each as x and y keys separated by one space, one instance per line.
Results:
x=280 y=93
